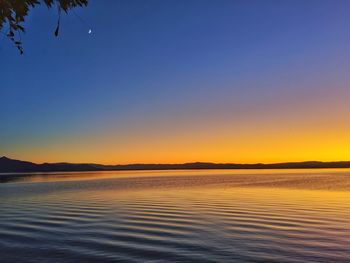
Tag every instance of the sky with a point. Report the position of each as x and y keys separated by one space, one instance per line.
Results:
x=180 y=81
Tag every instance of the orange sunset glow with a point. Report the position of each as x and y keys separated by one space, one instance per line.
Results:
x=174 y=131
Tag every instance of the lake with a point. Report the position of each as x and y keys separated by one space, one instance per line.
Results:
x=176 y=216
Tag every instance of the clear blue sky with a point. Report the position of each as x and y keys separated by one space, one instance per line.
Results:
x=196 y=80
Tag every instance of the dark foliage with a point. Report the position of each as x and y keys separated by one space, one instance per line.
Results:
x=14 y=12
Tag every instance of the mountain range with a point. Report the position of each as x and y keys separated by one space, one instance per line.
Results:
x=8 y=165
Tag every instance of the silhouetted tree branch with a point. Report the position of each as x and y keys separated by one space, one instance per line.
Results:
x=14 y=12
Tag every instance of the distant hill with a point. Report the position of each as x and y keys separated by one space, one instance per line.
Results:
x=8 y=165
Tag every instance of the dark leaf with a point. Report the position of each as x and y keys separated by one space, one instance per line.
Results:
x=57 y=29
x=14 y=12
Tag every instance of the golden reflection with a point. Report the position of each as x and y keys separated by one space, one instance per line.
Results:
x=308 y=179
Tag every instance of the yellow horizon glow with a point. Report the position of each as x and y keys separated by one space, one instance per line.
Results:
x=297 y=132
x=250 y=143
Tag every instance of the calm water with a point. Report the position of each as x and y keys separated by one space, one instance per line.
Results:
x=176 y=216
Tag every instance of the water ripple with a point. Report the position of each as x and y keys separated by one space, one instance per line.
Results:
x=100 y=221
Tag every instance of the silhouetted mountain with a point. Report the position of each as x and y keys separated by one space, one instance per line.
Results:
x=14 y=166
x=9 y=165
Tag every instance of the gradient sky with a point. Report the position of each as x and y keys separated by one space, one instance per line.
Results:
x=180 y=81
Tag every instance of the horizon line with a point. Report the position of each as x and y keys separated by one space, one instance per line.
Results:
x=182 y=163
